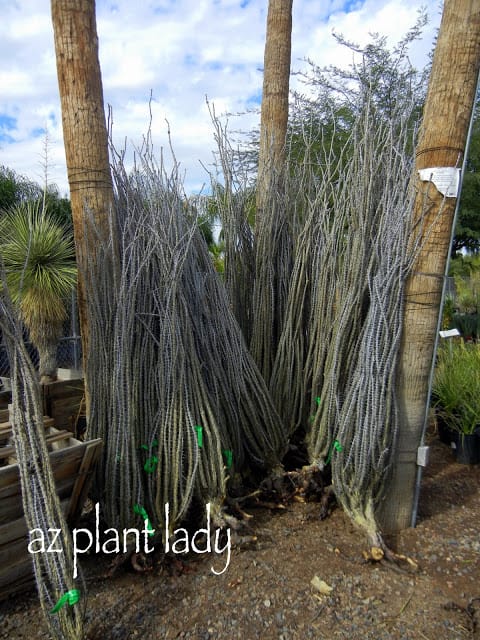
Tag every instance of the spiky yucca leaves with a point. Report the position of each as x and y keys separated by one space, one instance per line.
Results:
x=40 y=273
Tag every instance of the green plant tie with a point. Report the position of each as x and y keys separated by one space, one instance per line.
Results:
x=141 y=512
x=71 y=598
x=199 y=431
x=228 y=453
x=147 y=448
x=335 y=445
x=150 y=464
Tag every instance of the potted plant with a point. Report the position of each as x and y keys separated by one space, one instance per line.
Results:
x=446 y=394
x=456 y=393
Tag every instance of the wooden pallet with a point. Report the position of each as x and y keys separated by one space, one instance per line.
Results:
x=6 y=431
x=62 y=400
x=72 y=466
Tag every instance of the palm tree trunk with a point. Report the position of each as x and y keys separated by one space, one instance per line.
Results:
x=272 y=239
x=442 y=143
x=276 y=83
x=84 y=132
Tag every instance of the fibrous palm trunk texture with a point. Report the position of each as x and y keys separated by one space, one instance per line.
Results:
x=275 y=94
x=84 y=133
x=273 y=237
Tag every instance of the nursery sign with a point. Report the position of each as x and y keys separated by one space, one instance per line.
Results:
x=445 y=179
x=449 y=333
x=118 y=541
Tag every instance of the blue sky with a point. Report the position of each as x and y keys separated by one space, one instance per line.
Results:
x=180 y=51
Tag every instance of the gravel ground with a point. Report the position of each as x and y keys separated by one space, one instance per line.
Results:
x=266 y=592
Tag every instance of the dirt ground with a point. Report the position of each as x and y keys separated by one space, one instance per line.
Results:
x=266 y=591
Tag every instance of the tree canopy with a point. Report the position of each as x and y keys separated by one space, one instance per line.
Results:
x=16 y=190
x=467 y=231
x=322 y=116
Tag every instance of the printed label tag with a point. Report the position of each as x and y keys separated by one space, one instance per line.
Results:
x=446 y=179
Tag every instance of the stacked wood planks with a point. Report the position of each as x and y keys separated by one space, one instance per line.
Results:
x=72 y=464
x=62 y=400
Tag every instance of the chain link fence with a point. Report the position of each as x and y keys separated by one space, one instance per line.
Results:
x=69 y=352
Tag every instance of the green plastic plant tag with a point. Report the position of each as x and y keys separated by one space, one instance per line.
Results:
x=199 y=431
x=228 y=453
x=70 y=598
x=141 y=512
x=335 y=445
x=150 y=464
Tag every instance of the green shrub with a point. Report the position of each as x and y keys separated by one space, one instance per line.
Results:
x=467 y=324
x=456 y=387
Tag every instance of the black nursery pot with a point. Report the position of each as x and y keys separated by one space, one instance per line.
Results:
x=446 y=434
x=468 y=449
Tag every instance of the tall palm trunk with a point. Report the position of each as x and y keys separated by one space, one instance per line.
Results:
x=84 y=131
x=272 y=235
x=276 y=83
x=442 y=143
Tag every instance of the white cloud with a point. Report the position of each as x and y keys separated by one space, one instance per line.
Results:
x=181 y=51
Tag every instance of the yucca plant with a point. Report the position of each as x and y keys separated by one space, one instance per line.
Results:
x=38 y=257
